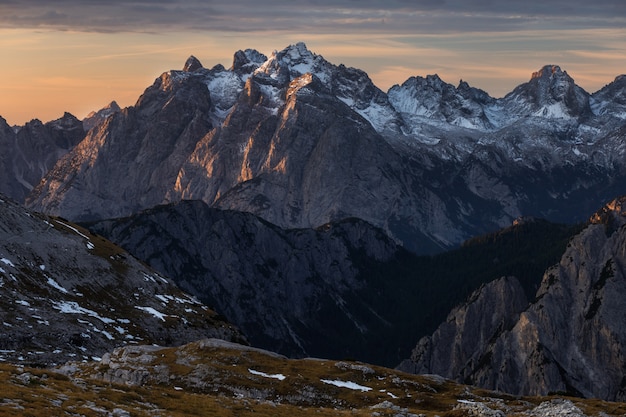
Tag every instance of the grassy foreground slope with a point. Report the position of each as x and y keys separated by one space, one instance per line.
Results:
x=216 y=378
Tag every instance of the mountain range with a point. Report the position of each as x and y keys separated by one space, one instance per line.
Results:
x=302 y=142
x=324 y=217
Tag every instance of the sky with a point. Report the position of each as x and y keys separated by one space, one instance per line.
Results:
x=79 y=55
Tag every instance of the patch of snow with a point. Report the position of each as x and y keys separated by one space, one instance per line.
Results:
x=22 y=302
x=90 y=246
x=178 y=389
x=273 y=94
x=553 y=111
x=377 y=115
x=152 y=278
x=225 y=88
x=346 y=384
x=3 y=271
x=7 y=262
x=56 y=285
x=42 y=267
x=72 y=307
x=152 y=311
x=392 y=396
x=166 y=298
x=163 y=298
x=148 y=278
x=280 y=377
x=105 y=333
x=466 y=402
x=74 y=229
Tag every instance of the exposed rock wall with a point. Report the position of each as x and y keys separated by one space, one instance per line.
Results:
x=570 y=339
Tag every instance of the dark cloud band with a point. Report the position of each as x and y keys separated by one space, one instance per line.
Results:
x=316 y=16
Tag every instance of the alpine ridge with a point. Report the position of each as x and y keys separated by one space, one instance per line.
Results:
x=302 y=142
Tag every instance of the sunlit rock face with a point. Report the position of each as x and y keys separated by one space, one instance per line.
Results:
x=571 y=337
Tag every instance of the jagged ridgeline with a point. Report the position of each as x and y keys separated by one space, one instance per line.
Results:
x=342 y=290
x=302 y=142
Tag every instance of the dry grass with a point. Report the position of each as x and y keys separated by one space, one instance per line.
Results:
x=211 y=381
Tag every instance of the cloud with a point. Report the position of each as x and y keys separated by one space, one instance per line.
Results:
x=315 y=16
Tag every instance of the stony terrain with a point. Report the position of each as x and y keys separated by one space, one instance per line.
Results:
x=66 y=294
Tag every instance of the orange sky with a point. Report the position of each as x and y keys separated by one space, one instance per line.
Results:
x=46 y=71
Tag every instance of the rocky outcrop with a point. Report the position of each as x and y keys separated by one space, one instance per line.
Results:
x=66 y=294
x=462 y=342
x=216 y=377
x=570 y=339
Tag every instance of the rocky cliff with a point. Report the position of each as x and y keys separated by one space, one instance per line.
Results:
x=571 y=337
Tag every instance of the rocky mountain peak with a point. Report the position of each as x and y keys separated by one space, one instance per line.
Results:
x=550 y=93
x=245 y=62
x=96 y=117
x=293 y=61
x=548 y=71
x=432 y=98
x=611 y=99
x=67 y=121
x=192 y=64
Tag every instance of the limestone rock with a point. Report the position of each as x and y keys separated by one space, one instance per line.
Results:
x=570 y=339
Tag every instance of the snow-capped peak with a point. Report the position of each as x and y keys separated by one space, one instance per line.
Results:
x=294 y=61
x=550 y=93
x=246 y=62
